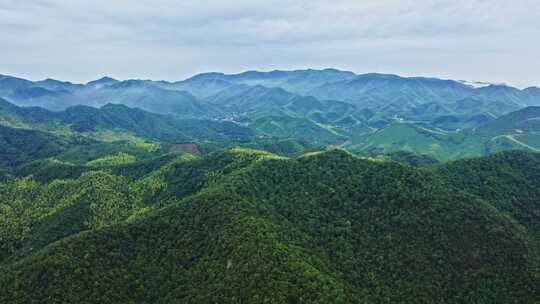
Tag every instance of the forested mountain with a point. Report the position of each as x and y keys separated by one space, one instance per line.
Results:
x=447 y=104
x=387 y=89
x=249 y=226
x=299 y=81
x=229 y=189
x=120 y=117
x=289 y=127
x=524 y=120
x=515 y=131
x=19 y=146
x=273 y=113
x=368 y=113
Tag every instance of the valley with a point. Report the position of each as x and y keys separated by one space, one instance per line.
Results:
x=444 y=119
x=310 y=186
x=269 y=152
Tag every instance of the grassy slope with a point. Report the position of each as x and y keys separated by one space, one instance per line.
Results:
x=442 y=146
x=301 y=128
x=411 y=138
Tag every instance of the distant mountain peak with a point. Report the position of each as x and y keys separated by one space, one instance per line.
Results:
x=266 y=74
x=51 y=82
x=129 y=83
x=102 y=81
x=498 y=87
x=208 y=76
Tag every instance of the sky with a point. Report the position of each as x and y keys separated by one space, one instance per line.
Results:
x=78 y=40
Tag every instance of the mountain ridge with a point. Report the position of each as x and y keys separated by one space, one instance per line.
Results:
x=350 y=230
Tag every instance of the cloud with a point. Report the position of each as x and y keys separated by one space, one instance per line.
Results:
x=171 y=39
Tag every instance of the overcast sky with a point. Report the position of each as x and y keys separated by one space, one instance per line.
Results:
x=80 y=40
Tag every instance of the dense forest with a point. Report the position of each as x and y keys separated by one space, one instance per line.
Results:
x=310 y=186
x=247 y=226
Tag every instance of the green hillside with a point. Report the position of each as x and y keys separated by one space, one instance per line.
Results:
x=418 y=140
x=235 y=199
x=511 y=132
x=18 y=146
x=526 y=120
x=255 y=113
x=279 y=146
x=243 y=226
x=508 y=180
x=289 y=127
x=120 y=121
x=149 y=125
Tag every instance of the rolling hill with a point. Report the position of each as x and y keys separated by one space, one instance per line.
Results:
x=419 y=140
x=145 y=95
x=526 y=120
x=372 y=113
x=256 y=94
x=380 y=89
x=19 y=146
x=301 y=128
x=515 y=131
x=298 y=81
x=249 y=226
x=113 y=117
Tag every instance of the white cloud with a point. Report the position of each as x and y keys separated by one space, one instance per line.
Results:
x=490 y=40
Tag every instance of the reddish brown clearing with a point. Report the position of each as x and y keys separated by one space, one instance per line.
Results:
x=188 y=148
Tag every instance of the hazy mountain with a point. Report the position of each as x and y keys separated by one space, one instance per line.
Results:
x=103 y=81
x=501 y=93
x=332 y=98
x=101 y=201
x=533 y=95
x=38 y=96
x=379 y=90
x=133 y=93
x=9 y=84
x=209 y=94
x=251 y=98
x=201 y=88
x=375 y=90
x=149 y=97
x=56 y=85
x=298 y=81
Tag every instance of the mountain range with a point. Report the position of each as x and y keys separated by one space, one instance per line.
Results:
x=252 y=94
x=310 y=186
x=367 y=114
